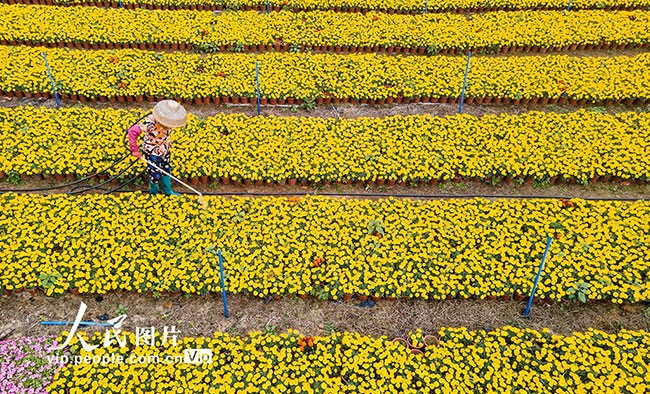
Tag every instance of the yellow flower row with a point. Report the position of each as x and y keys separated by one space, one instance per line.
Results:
x=131 y=72
x=508 y=359
x=235 y=30
x=325 y=247
x=357 y=5
x=583 y=145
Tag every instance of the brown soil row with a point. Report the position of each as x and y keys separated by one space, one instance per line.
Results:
x=22 y=314
x=629 y=101
x=346 y=111
x=598 y=190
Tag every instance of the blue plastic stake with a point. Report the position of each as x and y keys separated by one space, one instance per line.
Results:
x=47 y=66
x=426 y=7
x=462 y=94
x=268 y=7
x=568 y=7
x=120 y=3
x=257 y=85
x=223 y=285
x=539 y=273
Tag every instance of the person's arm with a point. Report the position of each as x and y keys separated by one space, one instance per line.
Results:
x=134 y=132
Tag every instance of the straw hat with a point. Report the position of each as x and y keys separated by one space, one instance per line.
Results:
x=170 y=114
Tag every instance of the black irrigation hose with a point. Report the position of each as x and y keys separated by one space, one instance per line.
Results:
x=129 y=181
x=425 y=196
x=74 y=190
x=88 y=188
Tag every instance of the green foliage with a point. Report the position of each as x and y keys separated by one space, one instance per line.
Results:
x=48 y=280
x=13 y=177
x=121 y=310
x=578 y=291
x=271 y=329
x=308 y=104
x=376 y=227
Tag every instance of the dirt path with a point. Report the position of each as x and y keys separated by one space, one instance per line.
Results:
x=600 y=190
x=203 y=315
x=349 y=111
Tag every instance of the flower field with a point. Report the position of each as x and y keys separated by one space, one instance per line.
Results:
x=508 y=359
x=146 y=256
x=325 y=247
x=399 y=6
x=128 y=73
x=235 y=31
x=582 y=145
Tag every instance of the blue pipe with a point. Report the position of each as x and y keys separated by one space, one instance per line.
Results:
x=82 y=323
x=223 y=285
x=257 y=85
x=47 y=66
x=539 y=273
x=462 y=94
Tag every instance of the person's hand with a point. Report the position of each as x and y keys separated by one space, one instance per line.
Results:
x=138 y=155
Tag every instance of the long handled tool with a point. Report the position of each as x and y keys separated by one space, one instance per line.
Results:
x=202 y=201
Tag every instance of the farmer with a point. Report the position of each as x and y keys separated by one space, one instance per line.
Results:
x=167 y=115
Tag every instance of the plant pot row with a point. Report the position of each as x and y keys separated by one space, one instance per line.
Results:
x=103 y=45
x=206 y=179
x=325 y=48
x=335 y=100
x=262 y=7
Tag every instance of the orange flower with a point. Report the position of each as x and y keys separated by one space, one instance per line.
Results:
x=305 y=342
x=566 y=203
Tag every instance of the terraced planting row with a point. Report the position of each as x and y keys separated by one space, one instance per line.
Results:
x=522 y=31
x=326 y=248
x=455 y=360
x=581 y=146
x=391 y=6
x=126 y=74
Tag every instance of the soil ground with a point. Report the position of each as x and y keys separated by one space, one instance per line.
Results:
x=598 y=190
x=349 y=111
x=22 y=314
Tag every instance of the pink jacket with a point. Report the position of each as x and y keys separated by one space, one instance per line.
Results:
x=134 y=133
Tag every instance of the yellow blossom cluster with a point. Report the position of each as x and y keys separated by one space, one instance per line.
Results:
x=129 y=72
x=237 y=30
x=413 y=6
x=583 y=145
x=508 y=359
x=383 y=248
